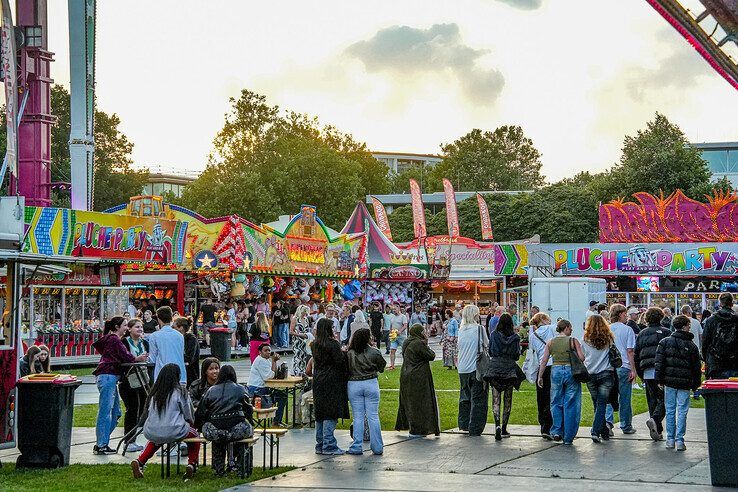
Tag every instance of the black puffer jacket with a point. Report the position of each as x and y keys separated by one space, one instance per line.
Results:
x=646 y=344
x=678 y=362
x=224 y=405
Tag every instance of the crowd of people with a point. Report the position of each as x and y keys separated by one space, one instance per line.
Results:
x=340 y=349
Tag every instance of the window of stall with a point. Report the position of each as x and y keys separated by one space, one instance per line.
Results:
x=664 y=300
x=694 y=301
x=92 y=308
x=115 y=302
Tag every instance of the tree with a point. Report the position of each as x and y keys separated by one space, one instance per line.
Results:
x=660 y=158
x=504 y=159
x=267 y=163
x=115 y=181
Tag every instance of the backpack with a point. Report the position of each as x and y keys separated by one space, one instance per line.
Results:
x=281 y=372
x=724 y=347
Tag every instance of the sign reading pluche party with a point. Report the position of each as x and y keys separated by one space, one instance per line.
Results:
x=687 y=259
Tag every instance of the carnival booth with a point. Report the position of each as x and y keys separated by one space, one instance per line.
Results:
x=65 y=309
x=667 y=252
x=295 y=257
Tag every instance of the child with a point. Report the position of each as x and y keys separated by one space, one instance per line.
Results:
x=678 y=370
x=170 y=418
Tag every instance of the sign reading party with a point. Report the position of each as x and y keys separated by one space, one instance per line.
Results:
x=55 y=231
x=672 y=259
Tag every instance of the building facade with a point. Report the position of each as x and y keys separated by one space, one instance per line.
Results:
x=398 y=162
x=722 y=159
x=161 y=183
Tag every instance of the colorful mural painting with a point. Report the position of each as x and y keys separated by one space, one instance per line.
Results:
x=676 y=218
x=300 y=245
x=58 y=231
x=673 y=259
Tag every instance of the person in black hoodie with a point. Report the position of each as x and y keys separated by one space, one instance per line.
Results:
x=645 y=361
x=224 y=414
x=720 y=341
x=678 y=370
x=191 y=348
x=503 y=374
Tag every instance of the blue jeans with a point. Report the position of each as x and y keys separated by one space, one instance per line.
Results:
x=625 y=392
x=325 y=441
x=566 y=403
x=676 y=402
x=364 y=398
x=284 y=334
x=279 y=397
x=599 y=386
x=108 y=411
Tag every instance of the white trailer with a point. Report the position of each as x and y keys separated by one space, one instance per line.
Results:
x=567 y=297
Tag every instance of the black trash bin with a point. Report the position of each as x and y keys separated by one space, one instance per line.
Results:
x=45 y=413
x=220 y=343
x=721 y=412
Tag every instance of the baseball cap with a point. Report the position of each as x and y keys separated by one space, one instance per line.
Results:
x=633 y=310
x=592 y=303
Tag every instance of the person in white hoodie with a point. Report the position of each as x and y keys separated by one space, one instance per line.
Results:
x=541 y=332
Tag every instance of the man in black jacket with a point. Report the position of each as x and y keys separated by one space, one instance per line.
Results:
x=720 y=341
x=678 y=370
x=645 y=361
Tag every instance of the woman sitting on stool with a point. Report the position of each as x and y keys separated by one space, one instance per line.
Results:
x=225 y=415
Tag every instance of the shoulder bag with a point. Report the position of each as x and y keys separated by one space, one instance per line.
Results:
x=616 y=360
x=482 y=356
x=578 y=369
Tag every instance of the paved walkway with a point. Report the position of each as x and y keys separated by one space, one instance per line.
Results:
x=455 y=461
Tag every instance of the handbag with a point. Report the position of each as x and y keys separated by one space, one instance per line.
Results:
x=136 y=376
x=482 y=357
x=616 y=361
x=578 y=369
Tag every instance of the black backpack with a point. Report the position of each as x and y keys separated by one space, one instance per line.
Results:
x=281 y=372
x=724 y=349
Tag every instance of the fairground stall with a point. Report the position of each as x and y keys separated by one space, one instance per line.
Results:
x=295 y=257
x=667 y=252
x=65 y=309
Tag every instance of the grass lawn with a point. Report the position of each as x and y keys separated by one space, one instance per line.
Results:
x=103 y=477
x=80 y=371
x=524 y=411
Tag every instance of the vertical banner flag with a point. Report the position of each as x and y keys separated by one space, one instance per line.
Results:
x=8 y=61
x=484 y=217
x=381 y=215
x=452 y=215
x=418 y=210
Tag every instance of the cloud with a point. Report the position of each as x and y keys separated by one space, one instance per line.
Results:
x=679 y=70
x=523 y=4
x=403 y=50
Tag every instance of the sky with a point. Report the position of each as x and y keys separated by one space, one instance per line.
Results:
x=404 y=76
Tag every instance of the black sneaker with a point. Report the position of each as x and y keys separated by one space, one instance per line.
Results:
x=557 y=438
x=505 y=434
x=547 y=437
x=609 y=429
x=103 y=450
x=498 y=434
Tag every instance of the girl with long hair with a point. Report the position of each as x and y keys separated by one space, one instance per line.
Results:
x=35 y=361
x=109 y=371
x=364 y=364
x=566 y=393
x=133 y=398
x=259 y=334
x=330 y=373
x=209 y=372
x=596 y=344
x=170 y=418
x=504 y=372
x=473 y=393
x=224 y=414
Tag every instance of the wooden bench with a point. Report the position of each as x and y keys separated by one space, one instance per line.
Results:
x=272 y=435
x=244 y=469
x=310 y=402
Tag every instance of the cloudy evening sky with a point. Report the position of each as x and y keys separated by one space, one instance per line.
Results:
x=401 y=75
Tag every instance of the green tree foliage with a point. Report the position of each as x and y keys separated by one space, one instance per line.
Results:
x=504 y=159
x=115 y=180
x=656 y=159
x=400 y=182
x=267 y=163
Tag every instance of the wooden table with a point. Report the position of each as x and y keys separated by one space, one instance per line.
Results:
x=288 y=384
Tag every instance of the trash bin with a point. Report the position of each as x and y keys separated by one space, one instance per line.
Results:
x=721 y=412
x=220 y=343
x=45 y=412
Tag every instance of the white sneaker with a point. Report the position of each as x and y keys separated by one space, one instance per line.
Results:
x=133 y=448
x=669 y=444
x=680 y=446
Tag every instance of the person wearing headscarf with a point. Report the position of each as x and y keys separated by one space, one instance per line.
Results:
x=418 y=409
